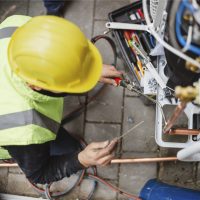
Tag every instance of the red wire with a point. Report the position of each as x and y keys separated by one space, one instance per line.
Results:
x=114 y=187
x=140 y=13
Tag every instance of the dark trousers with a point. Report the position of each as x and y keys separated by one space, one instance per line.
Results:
x=64 y=144
x=50 y=161
x=53 y=6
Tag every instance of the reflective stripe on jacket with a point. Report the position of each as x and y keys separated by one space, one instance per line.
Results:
x=26 y=117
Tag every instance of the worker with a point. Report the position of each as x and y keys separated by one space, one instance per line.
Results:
x=43 y=59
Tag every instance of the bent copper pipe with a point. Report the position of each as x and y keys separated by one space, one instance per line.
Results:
x=8 y=165
x=182 y=131
x=143 y=160
x=177 y=112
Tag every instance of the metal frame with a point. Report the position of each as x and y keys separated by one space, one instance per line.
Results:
x=189 y=111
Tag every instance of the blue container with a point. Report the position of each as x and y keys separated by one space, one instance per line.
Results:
x=154 y=190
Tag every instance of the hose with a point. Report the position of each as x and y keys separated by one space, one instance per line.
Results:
x=112 y=187
x=181 y=39
x=75 y=113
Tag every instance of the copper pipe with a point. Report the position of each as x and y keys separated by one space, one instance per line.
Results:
x=115 y=161
x=8 y=165
x=143 y=160
x=178 y=110
x=182 y=131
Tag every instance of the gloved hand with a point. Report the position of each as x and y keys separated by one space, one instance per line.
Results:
x=97 y=153
x=108 y=73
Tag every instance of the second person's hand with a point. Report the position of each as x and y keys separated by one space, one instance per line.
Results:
x=108 y=73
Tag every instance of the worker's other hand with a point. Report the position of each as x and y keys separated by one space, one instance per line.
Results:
x=97 y=153
x=108 y=73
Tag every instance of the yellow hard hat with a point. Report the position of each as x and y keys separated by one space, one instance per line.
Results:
x=53 y=53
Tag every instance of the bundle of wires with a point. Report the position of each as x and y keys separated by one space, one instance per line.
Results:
x=184 y=6
x=162 y=42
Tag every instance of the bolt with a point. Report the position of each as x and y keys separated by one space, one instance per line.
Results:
x=162 y=62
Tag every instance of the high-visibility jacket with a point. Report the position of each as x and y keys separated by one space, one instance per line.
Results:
x=26 y=117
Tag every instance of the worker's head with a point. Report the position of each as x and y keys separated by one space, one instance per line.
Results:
x=52 y=53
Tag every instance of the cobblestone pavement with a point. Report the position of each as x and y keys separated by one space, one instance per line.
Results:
x=112 y=113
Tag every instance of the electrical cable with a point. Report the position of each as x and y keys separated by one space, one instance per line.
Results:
x=162 y=42
x=154 y=101
x=195 y=4
x=189 y=6
x=171 y=29
x=170 y=89
x=179 y=14
x=152 y=41
x=189 y=39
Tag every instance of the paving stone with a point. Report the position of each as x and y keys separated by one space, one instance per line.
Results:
x=103 y=7
x=108 y=172
x=18 y=184
x=64 y=184
x=3 y=179
x=107 y=107
x=181 y=122
x=71 y=103
x=132 y=177
x=81 y=13
x=73 y=195
x=75 y=126
x=102 y=191
x=101 y=132
x=177 y=173
x=198 y=174
x=142 y=138
x=15 y=170
x=36 y=7
x=11 y=7
x=166 y=152
x=131 y=94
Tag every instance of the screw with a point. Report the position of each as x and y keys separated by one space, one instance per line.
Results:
x=162 y=62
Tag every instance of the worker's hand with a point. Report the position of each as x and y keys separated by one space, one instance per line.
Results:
x=97 y=153
x=108 y=73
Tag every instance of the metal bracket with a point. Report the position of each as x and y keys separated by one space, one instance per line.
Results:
x=127 y=26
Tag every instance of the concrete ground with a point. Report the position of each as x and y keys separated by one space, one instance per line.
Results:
x=108 y=116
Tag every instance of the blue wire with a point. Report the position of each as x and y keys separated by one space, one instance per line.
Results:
x=152 y=41
x=180 y=38
x=189 y=6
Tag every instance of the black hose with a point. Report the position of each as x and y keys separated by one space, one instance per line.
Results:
x=77 y=112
